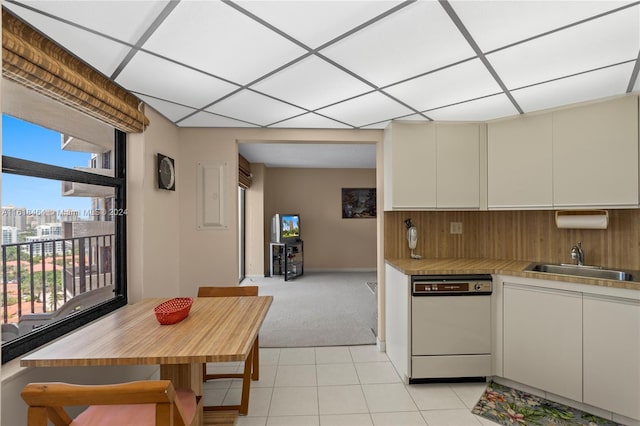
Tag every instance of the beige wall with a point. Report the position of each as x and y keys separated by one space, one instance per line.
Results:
x=330 y=242
x=208 y=257
x=153 y=221
x=211 y=256
x=254 y=255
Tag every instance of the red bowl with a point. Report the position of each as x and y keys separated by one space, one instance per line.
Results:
x=173 y=310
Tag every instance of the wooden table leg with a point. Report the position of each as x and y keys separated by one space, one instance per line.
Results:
x=246 y=384
x=255 y=360
x=187 y=376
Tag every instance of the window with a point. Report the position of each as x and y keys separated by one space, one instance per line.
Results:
x=63 y=233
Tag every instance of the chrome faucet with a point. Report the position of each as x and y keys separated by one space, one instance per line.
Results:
x=577 y=254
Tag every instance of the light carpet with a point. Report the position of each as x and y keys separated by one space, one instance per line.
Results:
x=319 y=309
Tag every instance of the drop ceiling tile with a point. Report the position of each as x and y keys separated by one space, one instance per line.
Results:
x=214 y=37
x=365 y=110
x=413 y=117
x=478 y=110
x=101 y=53
x=206 y=119
x=605 y=41
x=171 y=111
x=494 y=24
x=263 y=110
x=314 y=23
x=416 y=39
x=312 y=83
x=310 y=155
x=378 y=126
x=459 y=83
x=310 y=121
x=148 y=74
x=126 y=20
x=593 y=85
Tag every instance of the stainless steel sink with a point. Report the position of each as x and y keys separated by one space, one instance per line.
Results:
x=581 y=271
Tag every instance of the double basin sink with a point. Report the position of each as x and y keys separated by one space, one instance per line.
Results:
x=581 y=271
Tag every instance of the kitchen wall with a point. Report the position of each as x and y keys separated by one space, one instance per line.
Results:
x=519 y=235
x=330 y=242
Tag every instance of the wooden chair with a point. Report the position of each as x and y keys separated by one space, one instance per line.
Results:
x=149 y=402
x=252 y=364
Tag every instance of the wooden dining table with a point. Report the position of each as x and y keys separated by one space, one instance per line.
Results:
x=217 y=329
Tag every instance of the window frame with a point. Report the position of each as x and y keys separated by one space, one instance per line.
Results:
x=45 y=334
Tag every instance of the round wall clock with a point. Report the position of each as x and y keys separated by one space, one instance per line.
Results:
x=166 y=173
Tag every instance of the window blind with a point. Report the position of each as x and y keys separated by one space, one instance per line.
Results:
x=31 y=59
x=244 y=172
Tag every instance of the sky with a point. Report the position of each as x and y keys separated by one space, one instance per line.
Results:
x=31 y=142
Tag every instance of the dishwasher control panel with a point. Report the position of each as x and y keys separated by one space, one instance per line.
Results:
x=428 y=285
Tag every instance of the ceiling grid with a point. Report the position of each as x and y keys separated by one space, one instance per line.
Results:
x=349 y=64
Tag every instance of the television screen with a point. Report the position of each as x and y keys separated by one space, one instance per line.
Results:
x=290 y=227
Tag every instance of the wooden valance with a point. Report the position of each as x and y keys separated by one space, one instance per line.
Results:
x=244 y=172
x=33 y=60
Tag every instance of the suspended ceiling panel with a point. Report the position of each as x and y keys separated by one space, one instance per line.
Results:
x=349 y=64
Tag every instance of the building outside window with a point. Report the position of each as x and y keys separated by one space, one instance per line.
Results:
x=63 y=233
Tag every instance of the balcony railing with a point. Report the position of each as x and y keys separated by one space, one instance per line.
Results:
x=41 y=276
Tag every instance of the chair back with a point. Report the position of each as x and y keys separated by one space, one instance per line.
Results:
x=235 y=291
x=143 y=403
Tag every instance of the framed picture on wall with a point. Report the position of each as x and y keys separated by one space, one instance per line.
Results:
x=358 y=203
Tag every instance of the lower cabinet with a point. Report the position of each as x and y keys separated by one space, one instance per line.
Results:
x=577 y=341
x=612 y=354
x=543 y=339
x=397 y=319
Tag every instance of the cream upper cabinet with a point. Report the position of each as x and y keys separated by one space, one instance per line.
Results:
x=458 y=166
x=430 y=166
x=519 y=163
x=410 y=165
x=595 y=155
x=585 y=156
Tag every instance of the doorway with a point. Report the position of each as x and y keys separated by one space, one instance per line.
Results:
x=306 y=186
x=241 y=233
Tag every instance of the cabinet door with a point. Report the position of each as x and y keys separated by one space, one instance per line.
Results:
x=458 y=166
x=612 y=354
x=413 y=165
x=543 y=339
x=595 y=154
x=397 y=298
x=520 y=163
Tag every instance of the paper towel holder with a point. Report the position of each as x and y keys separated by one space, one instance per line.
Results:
x=582 y=219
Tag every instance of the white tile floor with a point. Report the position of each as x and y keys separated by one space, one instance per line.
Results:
x=345 y=385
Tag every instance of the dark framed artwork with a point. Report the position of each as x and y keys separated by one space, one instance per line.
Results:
x=358 y=203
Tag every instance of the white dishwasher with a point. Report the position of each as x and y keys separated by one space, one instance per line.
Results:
x=450 y=328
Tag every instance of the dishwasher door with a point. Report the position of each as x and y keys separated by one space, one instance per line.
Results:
x=451 y=325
